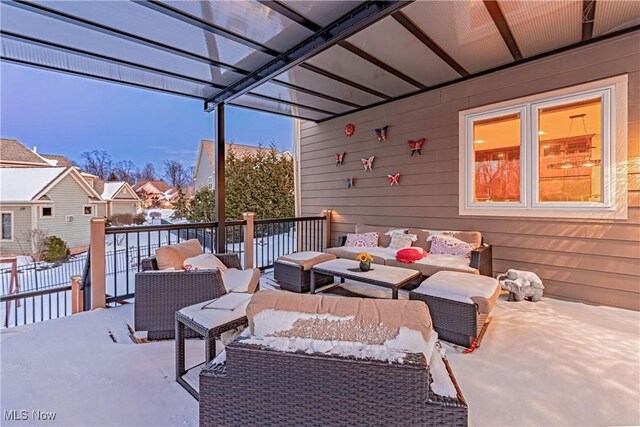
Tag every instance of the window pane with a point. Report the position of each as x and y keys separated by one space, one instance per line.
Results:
x=88 y=210
x=496 y=146
x=47 y=211
x=570 y=152
x=6 y=226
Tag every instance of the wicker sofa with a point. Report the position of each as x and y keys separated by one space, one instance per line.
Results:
x=321 y=384
x=159 y=294
x=480 y=261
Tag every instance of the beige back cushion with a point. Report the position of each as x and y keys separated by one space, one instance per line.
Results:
x=384 y=240
x=373 y=321
x=173 y=256
x=474 y=238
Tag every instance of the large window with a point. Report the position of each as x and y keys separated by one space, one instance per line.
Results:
x=555 y=154
x=7 y=226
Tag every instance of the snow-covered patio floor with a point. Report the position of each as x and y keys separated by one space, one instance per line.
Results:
x=547 y=363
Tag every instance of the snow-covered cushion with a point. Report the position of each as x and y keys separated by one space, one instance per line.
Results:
x=211 y=317
x=203 y=262
x=449 y=245
x=365 y=240
x=401 y=240
x=241 y=280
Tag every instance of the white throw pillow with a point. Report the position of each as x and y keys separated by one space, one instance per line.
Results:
x=204 y=262
x=241 y=280
x=401 y=240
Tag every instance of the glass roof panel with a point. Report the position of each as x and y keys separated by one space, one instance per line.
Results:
x=310 y=80
x=262 y=104
x=29 y=54
x=281 y=92
x=33 y=25
x=615 y=15
x=393 y=44
x=464 y=29
x=343 y=63
x=144 y=22
x=541 y=26
x=321 y=12
x=250 y=19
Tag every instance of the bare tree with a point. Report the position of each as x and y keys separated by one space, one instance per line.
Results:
x=126 y=170
x=35 y=241
x=176 y=174
x=148 y=173
x=97 y=162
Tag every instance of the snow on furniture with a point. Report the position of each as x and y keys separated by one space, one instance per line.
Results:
x=292 y=272
x=208 y=319
x=478 y=261
x=160 y=293
x=459 y=304
x=326 y=360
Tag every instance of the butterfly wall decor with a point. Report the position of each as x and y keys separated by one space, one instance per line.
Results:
x=349 y=181
x=340 y=158
x=367 y=163
x=350 y=129
x=416 y=146
x=381 y=133
x=394 y=179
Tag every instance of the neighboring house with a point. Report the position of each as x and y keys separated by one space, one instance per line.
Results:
x=204 y=174
x=156 y=194
x=120 y=198
x=14 y=154
x=56 y=200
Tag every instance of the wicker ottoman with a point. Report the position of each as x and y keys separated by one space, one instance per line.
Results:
x=459 y=304
x=292 y=272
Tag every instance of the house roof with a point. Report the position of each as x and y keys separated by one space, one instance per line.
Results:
x=12 y=150
x=57 y=160
x=209 y=148
x=161 y=186
x=112 y=188
x=31 y=182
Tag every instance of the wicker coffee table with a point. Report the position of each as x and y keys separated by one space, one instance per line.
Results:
x=379 y=275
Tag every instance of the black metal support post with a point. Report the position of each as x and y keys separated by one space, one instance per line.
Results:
x=221 y=241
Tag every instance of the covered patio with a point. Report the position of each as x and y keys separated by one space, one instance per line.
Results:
x=409 y=84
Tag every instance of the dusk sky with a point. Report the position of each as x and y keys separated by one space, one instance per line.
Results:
x=63 y=114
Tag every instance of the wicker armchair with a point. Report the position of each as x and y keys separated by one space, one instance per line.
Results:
x=160 y=294
x=288 y=389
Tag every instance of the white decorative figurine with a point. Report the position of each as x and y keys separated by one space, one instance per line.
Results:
x=521 y=285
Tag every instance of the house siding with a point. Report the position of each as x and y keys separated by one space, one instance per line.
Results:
x=205 y=170
x=587 y=260
x=68 y=199
x=21 y=227
x=123 y=207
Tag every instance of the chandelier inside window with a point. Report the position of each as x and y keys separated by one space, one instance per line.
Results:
x=567 y=163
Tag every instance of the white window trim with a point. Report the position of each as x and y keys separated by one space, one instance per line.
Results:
x=53 y=211
x=614 y=157
x=13 y=235
x=210 y=183
x=93 y=210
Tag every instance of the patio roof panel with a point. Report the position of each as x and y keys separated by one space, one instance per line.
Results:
x=394 y=44
x=249 y=18
x=321 y=12
x=614 y=16
x=541 y=25
x=291 y=95
x=251 y=101
x=464 y=29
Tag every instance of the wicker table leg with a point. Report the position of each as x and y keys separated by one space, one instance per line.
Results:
x=180 y=363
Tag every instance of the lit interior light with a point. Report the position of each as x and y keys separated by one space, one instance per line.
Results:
x=479 y=141
x=541 y=132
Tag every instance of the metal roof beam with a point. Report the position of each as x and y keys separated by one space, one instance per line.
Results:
x=342 y=80
x=104 y=29
x=588 y=15
x=314 y=93
x=352 y=22
x=195 y=21
x=498 y=18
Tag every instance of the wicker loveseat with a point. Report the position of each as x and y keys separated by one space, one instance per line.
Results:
x=159 y=294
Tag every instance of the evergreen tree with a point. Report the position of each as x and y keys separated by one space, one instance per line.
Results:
x=181 y=206
x=202 y=206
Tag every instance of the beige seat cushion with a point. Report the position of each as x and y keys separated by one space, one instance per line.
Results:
x=384 y=240
x=380 y=255
x=468 y=288
x=174 y=255
x=241 y=280
x=370 y=321
x=431 y=264
x=306 y=259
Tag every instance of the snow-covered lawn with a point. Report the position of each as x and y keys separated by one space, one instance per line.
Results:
x=547 y=363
